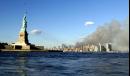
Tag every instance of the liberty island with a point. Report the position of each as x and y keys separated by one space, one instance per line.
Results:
x=22 y=43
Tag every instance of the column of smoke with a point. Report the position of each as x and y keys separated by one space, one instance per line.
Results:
x=114 y=32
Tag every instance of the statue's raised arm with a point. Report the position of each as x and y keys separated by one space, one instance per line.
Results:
x=24 y=24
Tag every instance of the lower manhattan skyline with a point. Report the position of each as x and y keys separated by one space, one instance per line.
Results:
x=55 y=22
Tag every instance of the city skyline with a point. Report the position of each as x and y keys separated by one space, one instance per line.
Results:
x=53 y=22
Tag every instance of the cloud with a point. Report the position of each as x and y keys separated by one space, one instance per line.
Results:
x=88 y=23
x=36 y=32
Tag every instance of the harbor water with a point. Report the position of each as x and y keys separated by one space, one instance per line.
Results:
x=64 y=64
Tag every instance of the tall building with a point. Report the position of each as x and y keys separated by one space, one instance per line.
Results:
x=108 y=47
x=22 y=42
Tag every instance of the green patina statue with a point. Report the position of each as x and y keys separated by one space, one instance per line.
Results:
x=24 y=24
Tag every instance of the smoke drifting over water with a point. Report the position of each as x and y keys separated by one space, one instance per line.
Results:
x=114 y=32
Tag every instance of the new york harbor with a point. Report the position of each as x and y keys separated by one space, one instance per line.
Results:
x=64 y=38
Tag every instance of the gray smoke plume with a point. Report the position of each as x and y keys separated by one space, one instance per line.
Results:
x=113 y=32
x=121 y=40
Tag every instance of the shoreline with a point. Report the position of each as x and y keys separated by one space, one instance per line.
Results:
x=10 y=50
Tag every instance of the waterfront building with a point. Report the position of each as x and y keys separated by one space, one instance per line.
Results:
x=108 y=47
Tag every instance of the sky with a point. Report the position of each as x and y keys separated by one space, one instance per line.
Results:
x=53 y=22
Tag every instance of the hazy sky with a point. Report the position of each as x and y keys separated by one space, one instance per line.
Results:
x=52 y=22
